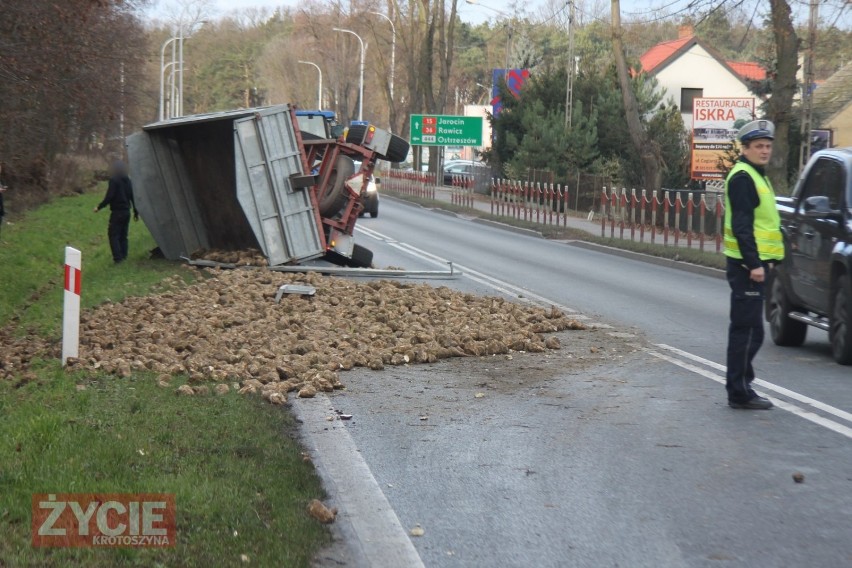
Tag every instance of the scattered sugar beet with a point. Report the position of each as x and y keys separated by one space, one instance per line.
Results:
x=228 y=330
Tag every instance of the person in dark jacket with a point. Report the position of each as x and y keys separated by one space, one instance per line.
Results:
x=119 y=197
x=753 y=246
x=2 y=208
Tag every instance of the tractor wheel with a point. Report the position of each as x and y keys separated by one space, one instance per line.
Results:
x=337 y=195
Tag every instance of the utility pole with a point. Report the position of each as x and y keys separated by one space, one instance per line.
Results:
x=569 y=91
x=807 y=95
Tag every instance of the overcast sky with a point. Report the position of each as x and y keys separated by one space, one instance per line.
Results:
x=486 y=10
x=490 y=9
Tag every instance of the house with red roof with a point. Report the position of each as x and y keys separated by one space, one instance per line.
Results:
x=687 y=68
x=833 y=106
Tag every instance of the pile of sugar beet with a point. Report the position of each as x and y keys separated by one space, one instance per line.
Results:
x=227 y=332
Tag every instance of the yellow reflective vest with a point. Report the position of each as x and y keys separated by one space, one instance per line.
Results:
x=767 y=221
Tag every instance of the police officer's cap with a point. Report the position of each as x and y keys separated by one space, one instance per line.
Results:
x=757 y=129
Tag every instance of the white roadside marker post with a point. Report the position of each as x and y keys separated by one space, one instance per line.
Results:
x=71 y=309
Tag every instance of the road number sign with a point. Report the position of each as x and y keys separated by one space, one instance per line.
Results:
x=445 y=130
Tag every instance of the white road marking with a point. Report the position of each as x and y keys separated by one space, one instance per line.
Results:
x=792 y=408
x=484 y=279
x=767 y=385
x=511 y=289
x=382 y=539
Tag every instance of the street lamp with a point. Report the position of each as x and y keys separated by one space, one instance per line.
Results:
x=487 y=89
x=361 y=89
x=504 y=14
x=180 y=77
x=393 y=49
x=162 y=75
x=319 y=90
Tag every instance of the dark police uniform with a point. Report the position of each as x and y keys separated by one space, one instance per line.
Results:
x=752 y=239
x=119 y=197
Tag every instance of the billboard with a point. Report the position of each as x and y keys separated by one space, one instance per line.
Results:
x=515 y=79
x=715 y=122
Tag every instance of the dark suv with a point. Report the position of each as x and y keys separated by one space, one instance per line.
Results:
x=813 y=286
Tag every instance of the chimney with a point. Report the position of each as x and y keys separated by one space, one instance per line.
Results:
x=685 y=31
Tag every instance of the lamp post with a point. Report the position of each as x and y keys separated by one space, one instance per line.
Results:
x=180 y=76
x=319 y=90
x=361 y=88
x=393 y=49
x=162 y=75
x=180 y=72
x=486 y=89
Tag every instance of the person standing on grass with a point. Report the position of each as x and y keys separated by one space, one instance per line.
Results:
x=2 y=208
x=753 y=246
x=119 y=197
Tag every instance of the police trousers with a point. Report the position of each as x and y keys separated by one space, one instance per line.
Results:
x=745 y=332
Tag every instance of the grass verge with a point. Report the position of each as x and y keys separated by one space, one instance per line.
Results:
x=240 y=484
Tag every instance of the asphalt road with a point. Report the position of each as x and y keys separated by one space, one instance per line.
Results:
x=636 y=462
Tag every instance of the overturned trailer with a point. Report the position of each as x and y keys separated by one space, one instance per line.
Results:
x=246 y=179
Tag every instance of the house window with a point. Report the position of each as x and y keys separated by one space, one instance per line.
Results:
x=687 y=96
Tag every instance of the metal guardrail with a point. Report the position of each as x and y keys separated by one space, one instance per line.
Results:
x=450 y=274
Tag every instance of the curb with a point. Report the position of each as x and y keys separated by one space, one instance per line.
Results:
x=507 y=227
x=642 y=257
x=371 y=532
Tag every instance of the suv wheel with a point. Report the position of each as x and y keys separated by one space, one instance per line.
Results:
x=840 y=331
x=785 y=331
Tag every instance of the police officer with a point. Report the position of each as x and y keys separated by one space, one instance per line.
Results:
x=753 y=245
x=119 y=197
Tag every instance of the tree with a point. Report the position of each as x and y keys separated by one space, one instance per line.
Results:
x=647 y=148
x=71 y=76
x=530 y=130
x=779 y=108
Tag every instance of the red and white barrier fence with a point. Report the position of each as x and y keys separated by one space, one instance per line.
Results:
x=71 y=305
x=681 y=217
x=462 y=193
x=671 y=216
x=543 y=203
x=415 y=184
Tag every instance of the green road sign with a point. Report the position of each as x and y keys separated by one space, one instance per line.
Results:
x=445 y=130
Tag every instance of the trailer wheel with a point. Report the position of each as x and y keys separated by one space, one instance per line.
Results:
x=336 y=197
x=397 y=148
x=840 y=332
x=362 y=257
x=785 y=331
